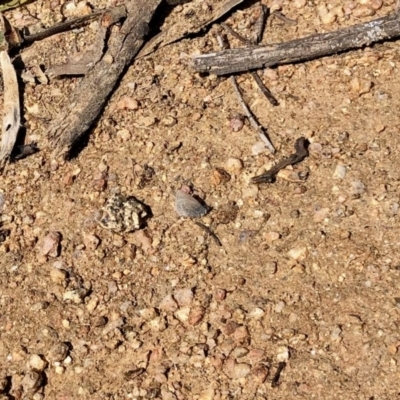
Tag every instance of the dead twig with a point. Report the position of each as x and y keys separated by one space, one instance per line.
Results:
x=275 y=379
x=259 y=129
x=265 y=91
x=304 y=49
x=88 y=99
x=72 y=24
x=301 y=147
x=210 y=232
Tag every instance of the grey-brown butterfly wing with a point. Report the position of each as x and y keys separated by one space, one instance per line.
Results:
x=187 y=206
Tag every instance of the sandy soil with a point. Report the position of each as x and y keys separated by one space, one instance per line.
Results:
x=307 y=273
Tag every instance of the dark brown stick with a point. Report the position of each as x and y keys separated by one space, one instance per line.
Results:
x=90 y=96
x=308 y=48
x=301 y=147
x=70 y=25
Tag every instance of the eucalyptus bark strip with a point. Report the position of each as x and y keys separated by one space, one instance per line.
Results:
x=11 y=109
x=304 y=49
x=89 y=97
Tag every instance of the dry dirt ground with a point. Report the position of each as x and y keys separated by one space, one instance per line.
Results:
x=307 y=274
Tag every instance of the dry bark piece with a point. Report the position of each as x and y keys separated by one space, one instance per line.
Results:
x=304 y=49
x=11 y=113
x=88 y=99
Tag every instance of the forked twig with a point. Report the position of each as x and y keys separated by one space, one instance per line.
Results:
x=266 y=92
x=249 y=114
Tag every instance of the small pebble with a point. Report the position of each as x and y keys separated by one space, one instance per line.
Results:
x=219 y=176
x=58 y=352
x=236 y=122
x=299 y=3
x=184 y=297
x=124 y=134
x=169 y=121
x=376 y=4
x=260 y=372
x=51 y=244
x=270 y=267
x=363 y=11
x=112 y=325
x=196 y=315
x=37 y=363
x=282 y=354
x=320 y=214
x=256 y=313
x=75 y=295
x=91 y=242
x=241 y=335
x=240 y=370
x=148 y=313
x=146 y=121
x=271 y=236
x=32 y=381
x=92 y=304
x=168 y=304
x=258 y=148
x=58 y=276
x=207 y=394
x=183 y=314
x=127 y=102
x=291 y=176
x=279 y=306
x=340 y=172
x=357 y=188
x=298 y=253
x=234 y=165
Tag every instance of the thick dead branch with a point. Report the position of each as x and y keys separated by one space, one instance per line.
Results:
x=308 y=48
x=89 y=97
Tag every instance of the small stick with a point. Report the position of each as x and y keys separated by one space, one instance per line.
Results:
x=249 y=114
x=210 y=232
x=260 y=23
x=286 y=20
x=237 y=35
x=275 y=379
x=266 y=92
x=301 y=147
x=71 y=24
